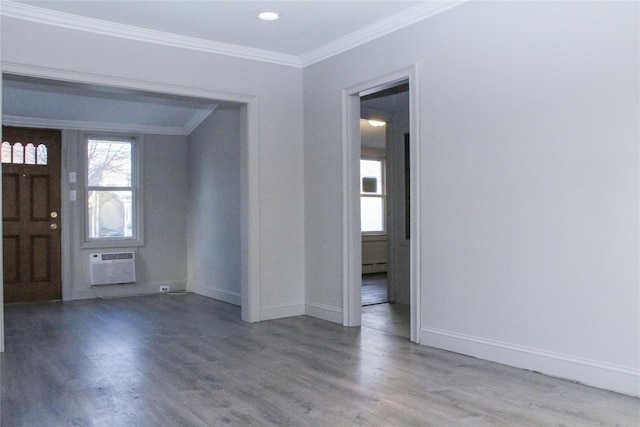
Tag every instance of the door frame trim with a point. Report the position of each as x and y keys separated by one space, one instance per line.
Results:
x=351 y=236
x=250 y=212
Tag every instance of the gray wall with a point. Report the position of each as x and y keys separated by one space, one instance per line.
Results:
x=163 y=258
x=529 y=197
x=213 y=218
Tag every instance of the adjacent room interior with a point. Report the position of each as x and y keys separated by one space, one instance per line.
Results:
x=183 y=144
x=385 y=208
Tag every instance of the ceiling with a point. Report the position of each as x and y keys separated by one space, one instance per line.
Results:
x=307 y=31
x=386 y=106
x=61 y=105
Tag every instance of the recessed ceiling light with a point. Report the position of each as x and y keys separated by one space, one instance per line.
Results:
x=376 y=123
x=269 y=16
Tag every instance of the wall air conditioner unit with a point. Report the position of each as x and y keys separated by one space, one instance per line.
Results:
x=112 y=268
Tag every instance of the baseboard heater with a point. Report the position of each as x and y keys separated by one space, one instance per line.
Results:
x=112 y=268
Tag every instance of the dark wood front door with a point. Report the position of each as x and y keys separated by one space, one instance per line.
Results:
x=31 y=214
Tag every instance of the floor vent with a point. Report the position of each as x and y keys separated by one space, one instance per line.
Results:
x=112 y=268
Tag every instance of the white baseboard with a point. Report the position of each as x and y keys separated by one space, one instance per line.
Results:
x=608 y=376
x=120 y=291
x=324 y=312
x=375 y=268
x=78 y=294
x=224 y=296
x=280 y=311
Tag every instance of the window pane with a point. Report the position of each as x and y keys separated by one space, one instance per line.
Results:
x=110 y=214
x=18 y=153
x=109 y=163
x=371 y=214
x=41 y=154
x=30 y=154
x=371 y=176
x=6 y=152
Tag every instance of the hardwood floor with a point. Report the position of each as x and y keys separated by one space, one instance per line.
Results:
x=393 y=319
x=190 y=361
x=374 y=288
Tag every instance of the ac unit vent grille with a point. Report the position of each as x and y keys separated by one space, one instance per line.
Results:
x=122 y=255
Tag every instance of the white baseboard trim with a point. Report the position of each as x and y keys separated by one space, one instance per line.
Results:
x=121 y=291
x=224 y=296
x=78 y=294
x=280 y=311
x=608 y=376
x=324 y=312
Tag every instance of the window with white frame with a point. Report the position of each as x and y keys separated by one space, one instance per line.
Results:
x=113 y=208
x=372 y=196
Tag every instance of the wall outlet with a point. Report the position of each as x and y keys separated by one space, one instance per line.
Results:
x=164 y=289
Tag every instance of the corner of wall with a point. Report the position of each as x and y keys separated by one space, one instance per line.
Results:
x=324 y=312
x=217 y=294
x=281 y=310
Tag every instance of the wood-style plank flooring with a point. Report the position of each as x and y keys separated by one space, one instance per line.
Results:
x=374 y=288
x=166 y=360
x=393 y=318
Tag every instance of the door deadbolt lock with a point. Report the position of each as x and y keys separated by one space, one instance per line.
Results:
x=54 y=226
x=54 y=214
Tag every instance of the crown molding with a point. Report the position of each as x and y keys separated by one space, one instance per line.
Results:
x=65 y=20
x=381 y=28
x=198 y=118
x=97 y=126
x=121 y=82
x=393 y=23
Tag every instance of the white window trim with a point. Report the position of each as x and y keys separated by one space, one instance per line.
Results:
x=138 y=194
x=372 y=155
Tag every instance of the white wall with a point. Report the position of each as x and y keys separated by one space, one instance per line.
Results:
x=529 y=154
x=163 y=258
x=165 y=191
x=373 y=137
x=275 y=126
x=213 y=218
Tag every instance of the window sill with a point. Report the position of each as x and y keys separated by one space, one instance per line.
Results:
x=112 y=244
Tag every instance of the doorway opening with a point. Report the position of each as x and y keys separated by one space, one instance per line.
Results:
x=384 y=207
x=401 y=234
x=248 y=128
